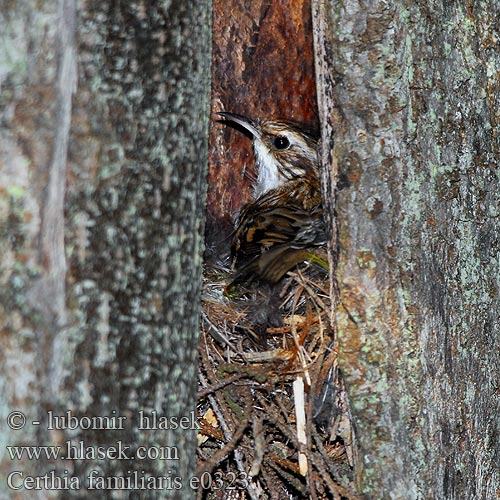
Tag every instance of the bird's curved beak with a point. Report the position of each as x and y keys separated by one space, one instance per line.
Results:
x=243 y=121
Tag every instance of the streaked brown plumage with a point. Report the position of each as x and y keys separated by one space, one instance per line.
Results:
x=284 y=222
x=276 y=231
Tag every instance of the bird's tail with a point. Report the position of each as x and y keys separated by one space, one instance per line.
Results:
x=272 y=265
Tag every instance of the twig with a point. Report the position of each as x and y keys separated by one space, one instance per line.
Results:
x=300 y=419
x=213 y=388
x=260 y=446
x=222 y=453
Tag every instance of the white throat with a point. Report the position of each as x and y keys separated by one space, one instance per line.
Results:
x=268 y=175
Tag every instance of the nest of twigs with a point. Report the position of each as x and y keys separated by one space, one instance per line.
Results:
x=274 y=419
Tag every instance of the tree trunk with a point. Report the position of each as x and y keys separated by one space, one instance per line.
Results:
x=102 y=197
x=412 y=93
x=263 y=68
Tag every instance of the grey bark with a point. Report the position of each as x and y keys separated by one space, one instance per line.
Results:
x=412 y=91
x=102 y=196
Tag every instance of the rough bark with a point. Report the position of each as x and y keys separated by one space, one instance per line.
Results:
x=102 y=196
x=416 y=87
x=263 y=67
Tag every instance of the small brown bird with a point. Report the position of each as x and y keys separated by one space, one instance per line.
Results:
x=283 y=224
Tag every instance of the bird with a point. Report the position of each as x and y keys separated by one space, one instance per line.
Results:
x=284 y=150
x=283 y=223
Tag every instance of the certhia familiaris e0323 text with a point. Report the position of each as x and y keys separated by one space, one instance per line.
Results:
x=283 y=223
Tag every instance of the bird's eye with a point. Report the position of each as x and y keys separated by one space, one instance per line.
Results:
x=281 y=142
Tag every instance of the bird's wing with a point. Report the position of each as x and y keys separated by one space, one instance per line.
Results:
x=264 y=229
